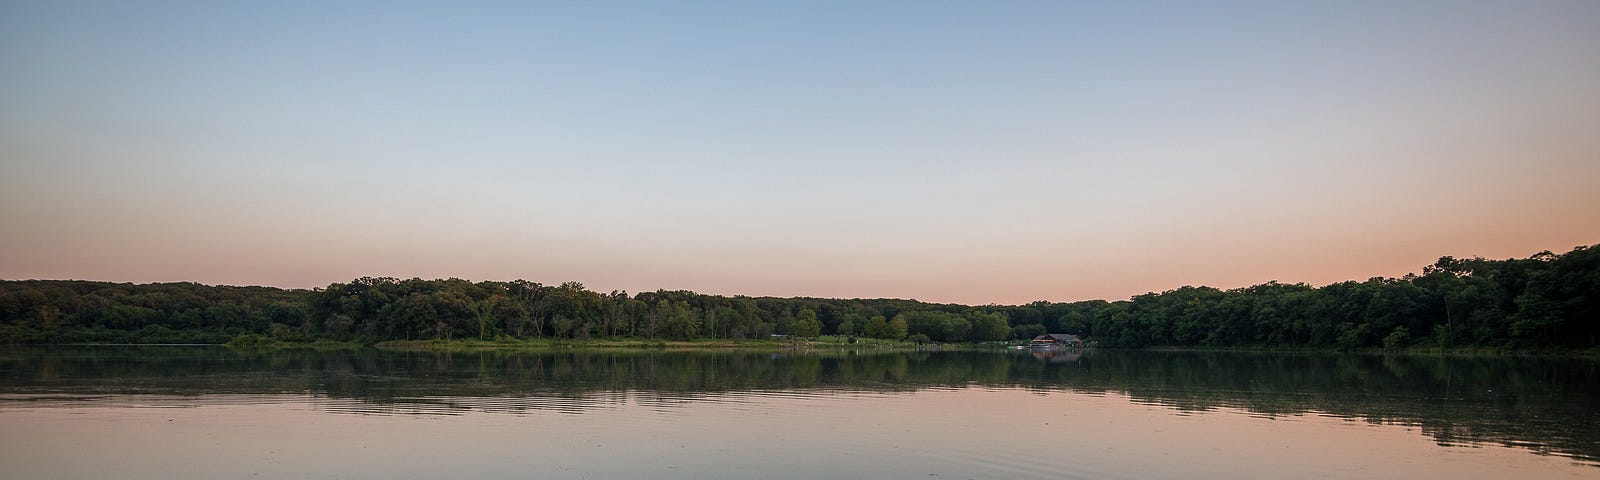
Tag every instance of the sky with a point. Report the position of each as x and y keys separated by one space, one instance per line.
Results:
x=968 y=152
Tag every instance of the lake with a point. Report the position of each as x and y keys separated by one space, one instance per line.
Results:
x=162 y=412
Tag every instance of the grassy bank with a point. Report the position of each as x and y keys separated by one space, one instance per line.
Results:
x=545 y=344
x=263 y=342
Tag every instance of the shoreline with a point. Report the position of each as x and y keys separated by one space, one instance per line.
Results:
x=826 y=343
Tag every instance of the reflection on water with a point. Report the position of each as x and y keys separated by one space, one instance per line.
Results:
x=1540 y=405
x=1057 y=355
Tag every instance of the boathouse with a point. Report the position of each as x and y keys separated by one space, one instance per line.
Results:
x=1057 y=340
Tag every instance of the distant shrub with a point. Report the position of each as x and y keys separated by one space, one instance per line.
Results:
x=252 y=340
x=1396 y=339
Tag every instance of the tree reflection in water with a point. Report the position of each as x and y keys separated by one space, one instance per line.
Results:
x=1548 y=405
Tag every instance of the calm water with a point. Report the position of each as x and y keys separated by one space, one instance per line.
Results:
x=208 y=412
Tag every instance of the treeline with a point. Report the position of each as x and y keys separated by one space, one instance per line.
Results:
x=1544 y=301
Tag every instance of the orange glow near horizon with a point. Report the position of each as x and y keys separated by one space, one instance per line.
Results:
x=1040 y=152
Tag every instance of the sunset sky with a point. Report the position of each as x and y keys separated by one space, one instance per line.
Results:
x=971 y=152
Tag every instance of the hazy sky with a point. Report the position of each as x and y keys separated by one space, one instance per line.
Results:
x=969 y=152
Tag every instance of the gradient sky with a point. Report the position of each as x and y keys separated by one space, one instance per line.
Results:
x=973 y=152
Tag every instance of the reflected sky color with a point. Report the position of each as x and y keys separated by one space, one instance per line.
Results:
x=944 y=151
x=164 y=411
x=998 y=433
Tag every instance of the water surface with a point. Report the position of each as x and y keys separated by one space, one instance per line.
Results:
x=209 y=412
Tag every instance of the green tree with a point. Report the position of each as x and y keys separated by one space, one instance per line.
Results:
x=896 y=329
x=1535 y=315
x=1396 y=339
x=876 y=327
x=805 y=324
x=988 y=327
x=682 y=324
x=1028 y=331
x=847 y=326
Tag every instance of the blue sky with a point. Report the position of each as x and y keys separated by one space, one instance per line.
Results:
x=955 y=151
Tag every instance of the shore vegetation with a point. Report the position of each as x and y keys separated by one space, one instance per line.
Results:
x=1547 y=302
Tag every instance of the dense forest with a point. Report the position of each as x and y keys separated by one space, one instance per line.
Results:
x=1546 y=301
